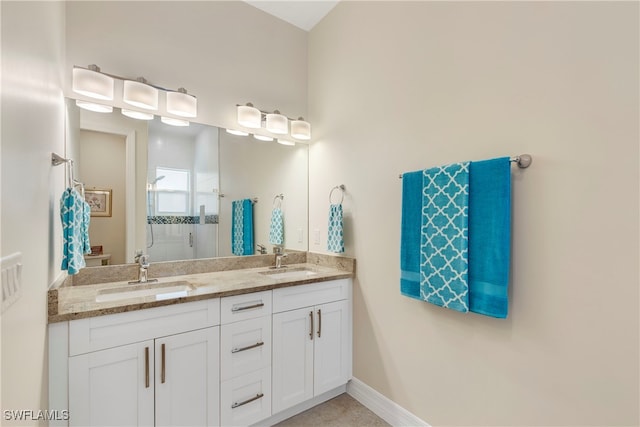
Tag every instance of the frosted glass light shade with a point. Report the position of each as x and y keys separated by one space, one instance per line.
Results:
x=138 y=115
x=92 y=84
x=262 y=137
x=249 y=117
x=237 y=132
x=174 y=122
x=301 y=129
x=182 y=104
x=98 y=108
x=277 y=123
x=285 y=142
x=140 y=95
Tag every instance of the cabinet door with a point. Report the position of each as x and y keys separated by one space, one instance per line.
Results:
x=292 y=358
x=187 y=378
x=332 y=351
x=112 y=387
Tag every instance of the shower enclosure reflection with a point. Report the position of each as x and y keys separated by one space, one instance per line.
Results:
x=182 y=192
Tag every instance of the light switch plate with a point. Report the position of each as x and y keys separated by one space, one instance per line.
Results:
x=11 y=279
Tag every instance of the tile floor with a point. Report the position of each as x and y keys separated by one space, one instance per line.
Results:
x=341 y=411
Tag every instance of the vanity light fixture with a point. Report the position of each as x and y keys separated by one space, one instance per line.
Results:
x=274 y=122
x=262 y=137
x=285 y=142
x=91 y=106
x=249 y=116
x=140 y=94
x=92 y=83
x=300 y=129
x=277 y=123
x=180 y=103
x=174 y=122
x=139 y=115
x=237 y=132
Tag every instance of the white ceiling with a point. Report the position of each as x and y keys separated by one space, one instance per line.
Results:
x=303 y=14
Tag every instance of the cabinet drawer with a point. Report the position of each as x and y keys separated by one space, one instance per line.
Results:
x=246 y=400
x=247 y=306
x=98 y=333
x=245 y=347
x=293 y=297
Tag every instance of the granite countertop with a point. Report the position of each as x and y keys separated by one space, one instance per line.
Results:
x=69 y=301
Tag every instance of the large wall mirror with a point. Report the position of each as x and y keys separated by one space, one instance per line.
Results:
x=169 y=190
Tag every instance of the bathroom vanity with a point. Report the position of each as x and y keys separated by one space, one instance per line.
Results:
x=235 y=346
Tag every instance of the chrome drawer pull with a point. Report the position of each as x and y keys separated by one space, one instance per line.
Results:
x=248 y=307
x=146 y=367
x=163 y=374
x=238 y=350
x=258 y=396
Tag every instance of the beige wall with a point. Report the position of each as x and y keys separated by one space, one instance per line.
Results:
x=102 y=166
x=397 y=86
x=33 y=118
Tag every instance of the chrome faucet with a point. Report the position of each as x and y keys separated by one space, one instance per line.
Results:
x=262 y=249
x=279 y=257
x=143 y=261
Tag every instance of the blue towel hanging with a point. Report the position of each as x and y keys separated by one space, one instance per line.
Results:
x=335 y=239
x=410 y=234
x=489 y=236
x=242 y=227
x=444 y=236
x=75 y=215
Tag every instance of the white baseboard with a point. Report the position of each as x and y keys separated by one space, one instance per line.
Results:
x=383 y=407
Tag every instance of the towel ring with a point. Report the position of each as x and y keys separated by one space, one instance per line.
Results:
x=276 y=198
x=340 y=187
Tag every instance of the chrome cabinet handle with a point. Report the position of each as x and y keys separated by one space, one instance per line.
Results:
x=319 y=323
x=248 y=307
x=146 y=367
x=311 y=329
x=238 y=350
x=236 y=404
x=162 y=372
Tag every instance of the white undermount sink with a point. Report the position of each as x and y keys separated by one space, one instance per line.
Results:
x=289 y=273
x=161 y=291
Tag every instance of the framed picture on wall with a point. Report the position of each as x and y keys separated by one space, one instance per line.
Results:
x=99 y=201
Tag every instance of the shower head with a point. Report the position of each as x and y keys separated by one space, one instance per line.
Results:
x=157 y=179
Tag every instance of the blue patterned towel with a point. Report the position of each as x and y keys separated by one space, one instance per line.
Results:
x=410 y=234
x=276 y=229
x=335 y=238
x=74 y=214
x=242 y=227
x=444 y=241
x=489 y=236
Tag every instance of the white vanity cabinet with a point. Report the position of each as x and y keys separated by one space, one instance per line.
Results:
x=311 y=341
x=251 y=359
x=245 y=359
x=158 y=366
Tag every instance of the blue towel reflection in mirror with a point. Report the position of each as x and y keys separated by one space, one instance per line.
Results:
x=242 y=227
x=75 y=215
